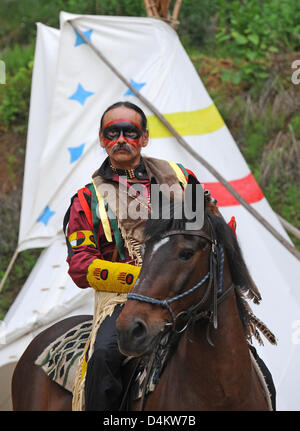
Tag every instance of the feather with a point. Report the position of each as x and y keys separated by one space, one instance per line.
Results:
x=253 y=292
x=263 y=329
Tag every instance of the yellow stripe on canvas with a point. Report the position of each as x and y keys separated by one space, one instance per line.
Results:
x=198 y=122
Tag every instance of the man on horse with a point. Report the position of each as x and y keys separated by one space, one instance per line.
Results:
x=104 y=237
x=104 y=227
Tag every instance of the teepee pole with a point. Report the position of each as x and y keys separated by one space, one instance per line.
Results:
x=289 y=227
x=148 y=8
x=190 y=150
x=176 y=10
x=9 y=268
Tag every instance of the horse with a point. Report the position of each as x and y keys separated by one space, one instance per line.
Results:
x=206 y=324
x=191 y=292
x=32 y=389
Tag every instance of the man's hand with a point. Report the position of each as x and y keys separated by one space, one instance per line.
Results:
x=112 y=276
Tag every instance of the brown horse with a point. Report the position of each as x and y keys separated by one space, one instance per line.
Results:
x=209 y=365
x=192 y=287
x=32 y=389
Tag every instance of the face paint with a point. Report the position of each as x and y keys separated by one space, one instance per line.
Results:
x=128 y=130
x=131 y=132
x=122 y=120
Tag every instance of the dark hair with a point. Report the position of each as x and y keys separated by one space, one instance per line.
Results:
x=128 y=105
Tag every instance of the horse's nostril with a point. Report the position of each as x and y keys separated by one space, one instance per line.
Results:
x=139 y=329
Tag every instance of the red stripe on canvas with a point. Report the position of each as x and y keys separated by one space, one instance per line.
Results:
x=247 y=187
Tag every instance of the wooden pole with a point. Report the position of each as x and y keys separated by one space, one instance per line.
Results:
x=154 y=9
x=176 y=10
x=190 y=150
x=163 y=8
x=289 y=227
x=148 y=8
x=11 y=263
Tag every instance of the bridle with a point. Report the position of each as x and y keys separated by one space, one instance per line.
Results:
x=215 y=284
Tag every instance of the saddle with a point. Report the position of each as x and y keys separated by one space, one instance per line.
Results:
x=61 y=359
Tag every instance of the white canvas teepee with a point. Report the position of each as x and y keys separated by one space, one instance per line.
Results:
x=71 y=88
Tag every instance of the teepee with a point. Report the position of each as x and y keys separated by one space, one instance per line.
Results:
x=71 y=87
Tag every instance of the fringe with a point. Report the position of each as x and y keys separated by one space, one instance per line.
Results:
x=262 y=382
x=105 y=303
x=133 y=246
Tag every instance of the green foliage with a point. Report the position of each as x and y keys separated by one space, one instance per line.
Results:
x=14 y=97
x=253 y=31
x=257 y=132
x=286 y=202
x=121 y=7
x=18 y=22
x=198 y=23
x=18 y=18
x=17 y=56
x=22 y=267
x=295 y=123
x=15 y=94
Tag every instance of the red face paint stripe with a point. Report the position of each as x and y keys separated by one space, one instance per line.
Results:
x=132 y=142
x=247 y=187
x=122 y=120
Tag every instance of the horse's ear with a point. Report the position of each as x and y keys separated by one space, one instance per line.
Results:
x=211 y=204
x=191 y=190
x=194 y=203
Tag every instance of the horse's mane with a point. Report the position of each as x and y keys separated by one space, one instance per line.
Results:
x=245 y=286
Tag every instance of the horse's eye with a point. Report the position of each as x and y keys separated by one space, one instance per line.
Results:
x=186 y=254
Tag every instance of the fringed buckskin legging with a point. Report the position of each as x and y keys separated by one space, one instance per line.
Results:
x=103 y=385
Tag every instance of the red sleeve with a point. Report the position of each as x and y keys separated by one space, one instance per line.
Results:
x=191 y=173
x=80 y=256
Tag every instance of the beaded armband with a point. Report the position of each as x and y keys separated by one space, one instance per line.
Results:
x=112 y=276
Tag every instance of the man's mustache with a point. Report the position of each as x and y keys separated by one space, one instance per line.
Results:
x=122 y=146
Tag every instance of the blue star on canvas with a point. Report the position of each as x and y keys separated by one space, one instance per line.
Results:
x=46 y=215
x=76 y=152
x=81 y=94
x=79 y=40
x=137 y=85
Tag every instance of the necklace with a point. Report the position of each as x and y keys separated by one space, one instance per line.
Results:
x=129 y=173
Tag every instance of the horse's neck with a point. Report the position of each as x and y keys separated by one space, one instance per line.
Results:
x=221 y=369
x=230 y=348
x=228 y=338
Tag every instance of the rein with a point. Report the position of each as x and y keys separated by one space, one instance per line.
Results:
x=215 y=277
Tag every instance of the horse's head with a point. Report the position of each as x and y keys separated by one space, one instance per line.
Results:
x=185 y=274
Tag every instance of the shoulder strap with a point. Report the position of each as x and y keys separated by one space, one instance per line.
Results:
x=67 y=216
x=107 y=218
x=85 y=206
x=180 y=172
x=99 y=201
x=92 y=215
x=65 y=224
